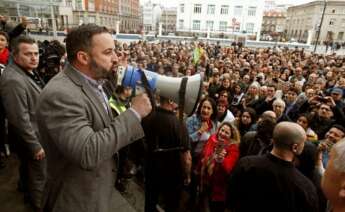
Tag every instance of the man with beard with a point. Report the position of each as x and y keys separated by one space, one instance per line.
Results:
x=77 y=129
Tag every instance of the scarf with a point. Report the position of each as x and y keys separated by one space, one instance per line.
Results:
x=4 y=55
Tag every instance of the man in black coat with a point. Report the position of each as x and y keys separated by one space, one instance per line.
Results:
x=168 y=159
x=271 y=182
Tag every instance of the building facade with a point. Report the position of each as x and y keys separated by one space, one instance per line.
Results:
x=129 y=16
x=272 y=5
x=303 y=22
x=220 y=17
x=39 y=13
x=101 y=12
x=273 y=25
x=168 y=20
x=151 y=17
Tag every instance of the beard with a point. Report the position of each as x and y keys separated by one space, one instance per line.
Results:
x=99 y=71
x=110 y=76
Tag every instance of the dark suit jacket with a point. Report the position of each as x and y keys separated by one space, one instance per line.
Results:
x=80 y=139
x=19 y=94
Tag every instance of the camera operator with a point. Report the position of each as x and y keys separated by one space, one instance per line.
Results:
x=51 y=54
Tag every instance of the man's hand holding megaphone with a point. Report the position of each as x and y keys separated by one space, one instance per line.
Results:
x=141 y=104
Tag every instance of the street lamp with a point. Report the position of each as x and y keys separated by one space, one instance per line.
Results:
x=319 y=28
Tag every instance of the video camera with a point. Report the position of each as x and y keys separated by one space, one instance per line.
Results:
x=50 y=58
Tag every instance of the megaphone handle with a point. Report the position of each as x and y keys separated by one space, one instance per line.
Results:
x=149 y=92
x=182 y=94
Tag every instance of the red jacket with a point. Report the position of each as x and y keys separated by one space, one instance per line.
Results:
x=214 y=175
x=4 y=55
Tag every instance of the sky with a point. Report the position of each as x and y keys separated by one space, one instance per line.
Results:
x=170 y=3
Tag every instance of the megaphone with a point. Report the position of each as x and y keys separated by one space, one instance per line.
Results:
x=168 y=87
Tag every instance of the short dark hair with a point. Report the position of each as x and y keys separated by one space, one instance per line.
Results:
x=19 y=40
x=339 y=127
x=265 y=128
x=251 y=112
x=80 y=39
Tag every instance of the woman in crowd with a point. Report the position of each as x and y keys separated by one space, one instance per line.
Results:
x=304 y=121
x=224 y=114
x=236 y=98
x=202 y=124
x=246 y=121
x=218 y=158
x=252 y=96
x=226 y=85
x=4 y=52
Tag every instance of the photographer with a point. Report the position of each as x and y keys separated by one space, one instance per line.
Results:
x=327 y=115
x=51 y=56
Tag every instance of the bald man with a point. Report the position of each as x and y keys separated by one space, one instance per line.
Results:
x=333 y=181
x=271 y=182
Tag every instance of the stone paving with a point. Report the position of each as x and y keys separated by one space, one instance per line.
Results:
x=12 y=200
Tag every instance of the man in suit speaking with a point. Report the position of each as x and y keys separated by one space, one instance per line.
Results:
x=78 y=132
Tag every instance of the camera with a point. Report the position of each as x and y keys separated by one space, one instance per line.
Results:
x=50 y=54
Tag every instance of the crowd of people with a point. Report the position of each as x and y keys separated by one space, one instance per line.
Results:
x=268 y=124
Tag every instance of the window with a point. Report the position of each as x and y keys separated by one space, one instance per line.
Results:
x=182 y=8
x=333 y=11
x=224 y=10
x=332 y=21
x=92 y=19
x=252 y=11
x=197 y=8
x=340 y=35
x=238 y=11
x=196 y=25
x=209 y=25
x=78 y=4
x=211 y=9
x=91 y=6
x=250 y=27
x=223 y=25
x=180 y=24
x=69 y=3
